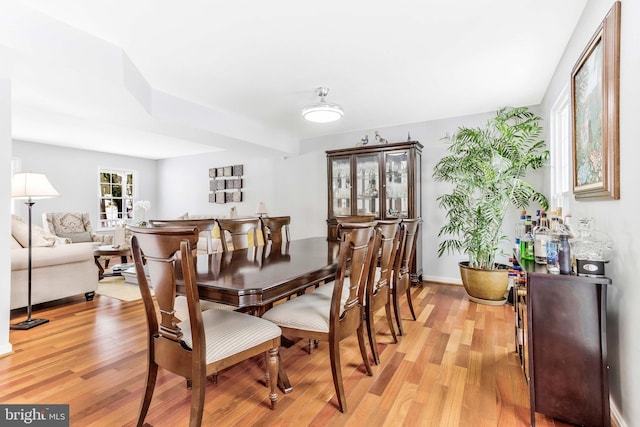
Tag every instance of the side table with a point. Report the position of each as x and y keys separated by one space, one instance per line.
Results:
x=109 y=250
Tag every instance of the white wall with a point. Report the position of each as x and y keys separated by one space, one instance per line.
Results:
x=74 y=174
x=294 y=186
x=617 y=218
x=5 y=217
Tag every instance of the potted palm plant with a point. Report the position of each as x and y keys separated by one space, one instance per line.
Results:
x=487 y=168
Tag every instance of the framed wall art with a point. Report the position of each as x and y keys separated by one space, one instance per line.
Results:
x=225 y=184
x=595 y=94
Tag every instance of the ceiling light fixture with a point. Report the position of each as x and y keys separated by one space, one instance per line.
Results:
x=322 y=112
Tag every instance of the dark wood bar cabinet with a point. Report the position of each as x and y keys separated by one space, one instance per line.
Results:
x=562 y=340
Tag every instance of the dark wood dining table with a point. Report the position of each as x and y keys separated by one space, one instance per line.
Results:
x=257 y=277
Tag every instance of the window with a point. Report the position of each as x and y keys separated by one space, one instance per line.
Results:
x=116 y=197
x=561 y=166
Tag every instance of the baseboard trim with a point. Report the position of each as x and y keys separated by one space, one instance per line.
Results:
x=616 y=418
x=6 y=349
x=442 y=280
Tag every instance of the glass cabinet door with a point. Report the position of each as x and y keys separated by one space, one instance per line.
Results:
x=368 y=185
x=341 y=186
x=397 y=184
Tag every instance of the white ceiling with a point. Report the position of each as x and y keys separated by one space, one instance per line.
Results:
x=164 y=78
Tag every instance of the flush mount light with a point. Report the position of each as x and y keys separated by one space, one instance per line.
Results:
x=322 y=112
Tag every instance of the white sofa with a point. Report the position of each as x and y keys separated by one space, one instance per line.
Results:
x=58 y=269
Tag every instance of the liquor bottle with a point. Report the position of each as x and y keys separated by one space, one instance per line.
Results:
x=527 y=242
x=541 y=235
x=553 y=243
x=564 y=254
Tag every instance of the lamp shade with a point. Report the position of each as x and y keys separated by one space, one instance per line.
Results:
x=32 y=186
x=261 y=209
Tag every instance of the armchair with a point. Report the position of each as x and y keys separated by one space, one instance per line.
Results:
x=75 y=226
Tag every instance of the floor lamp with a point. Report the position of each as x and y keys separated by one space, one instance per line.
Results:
x=30 y=186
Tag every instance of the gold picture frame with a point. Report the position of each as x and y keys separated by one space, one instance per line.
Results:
x=595 y=104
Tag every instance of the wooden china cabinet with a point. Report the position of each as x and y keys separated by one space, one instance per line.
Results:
x=383 y=181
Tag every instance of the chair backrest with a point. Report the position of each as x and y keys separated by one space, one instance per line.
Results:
x=390 y=240
x=412 y=226
x=62 y=223
x=205 y=227
x=163 y=248
x=405 y=254
x=358 y=243
x=342 y=219
x=243 y=232
x=75 y=226
x=276 y=229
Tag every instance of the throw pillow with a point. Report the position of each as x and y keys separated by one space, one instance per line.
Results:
x=83 y=236
x=39 y=237
x=70 y=222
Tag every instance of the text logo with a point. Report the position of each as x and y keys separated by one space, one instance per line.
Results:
x=34 y=415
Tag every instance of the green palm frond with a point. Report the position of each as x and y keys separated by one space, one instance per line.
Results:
x=487 y=166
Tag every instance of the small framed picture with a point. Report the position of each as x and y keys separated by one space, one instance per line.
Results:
x=238 y=170
x=212 y=172
x=220 y=197
x=219 y=171
x=234 y=196
x=220 y=184
x=228 y=171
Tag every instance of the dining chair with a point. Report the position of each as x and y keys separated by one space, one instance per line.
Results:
x=378 y=293
x=378 y=290
x=401 y=277
x=314 y=316
x=205 y=342
x=205 y=226
x=204 y=229
x=240 y=232
x=276 y=229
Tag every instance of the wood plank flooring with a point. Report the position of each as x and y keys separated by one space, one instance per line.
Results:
x=455 y=366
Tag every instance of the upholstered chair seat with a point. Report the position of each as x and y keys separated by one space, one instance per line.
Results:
x=230 y=333
x=308 y=312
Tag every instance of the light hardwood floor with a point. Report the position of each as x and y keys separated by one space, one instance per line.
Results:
x=455 y=366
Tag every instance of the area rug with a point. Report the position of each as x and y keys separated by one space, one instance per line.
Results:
x=115 y=287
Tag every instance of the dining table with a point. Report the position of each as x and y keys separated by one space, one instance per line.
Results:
x=252 y=279
x=256 y=277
